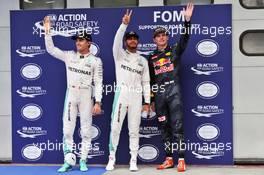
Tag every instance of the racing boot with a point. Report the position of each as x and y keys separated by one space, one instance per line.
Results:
x=168 y=163
x=65 y=167
x=181 y=165
x=83 y=166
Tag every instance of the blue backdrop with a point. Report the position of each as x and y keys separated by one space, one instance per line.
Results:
x=39 y=83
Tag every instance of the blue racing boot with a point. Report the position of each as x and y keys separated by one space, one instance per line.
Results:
x=83 y=166
x=65 y=167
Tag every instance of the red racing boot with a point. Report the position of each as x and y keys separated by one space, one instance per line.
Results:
x=181 y=165
x=168 y=163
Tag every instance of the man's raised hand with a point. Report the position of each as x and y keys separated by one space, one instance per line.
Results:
x=188 y=11
x=126 y=18
x=46 y=24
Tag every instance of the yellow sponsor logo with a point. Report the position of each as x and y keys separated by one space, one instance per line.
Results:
x=168 y=53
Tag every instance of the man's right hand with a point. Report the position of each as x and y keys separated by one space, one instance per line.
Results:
x=126 y=18
x=96 y=109
x=46 y=24
x=188 y=11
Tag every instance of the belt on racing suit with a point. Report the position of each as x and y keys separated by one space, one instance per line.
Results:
x=79 y=87
x=167 y=83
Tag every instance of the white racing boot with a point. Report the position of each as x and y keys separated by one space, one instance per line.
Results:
x=111 y=163
x=133 y=164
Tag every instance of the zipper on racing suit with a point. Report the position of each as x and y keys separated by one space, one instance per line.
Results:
x=69 y=111
x=119 y=112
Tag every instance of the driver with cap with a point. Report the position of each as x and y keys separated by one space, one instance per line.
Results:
x=84 y=71
x=133 y=81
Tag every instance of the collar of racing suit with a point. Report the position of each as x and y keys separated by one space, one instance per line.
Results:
x=83 y=55
x=157 y=51
x=127 y=51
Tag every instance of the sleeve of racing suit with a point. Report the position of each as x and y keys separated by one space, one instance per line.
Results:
x=146 y=83
x=52 y=50
x=180 y=47
x=118 y=41
x=152 y=78
x=98 y=80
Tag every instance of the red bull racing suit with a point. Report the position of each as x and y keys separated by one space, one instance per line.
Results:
x=164 y=73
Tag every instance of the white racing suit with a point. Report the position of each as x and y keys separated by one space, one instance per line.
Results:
x=132 y=76
x=82 y=73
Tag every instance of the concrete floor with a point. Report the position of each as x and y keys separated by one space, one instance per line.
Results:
x=192 y=170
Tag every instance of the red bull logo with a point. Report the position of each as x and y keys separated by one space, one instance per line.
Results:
x=164 y=69
x=161 y=62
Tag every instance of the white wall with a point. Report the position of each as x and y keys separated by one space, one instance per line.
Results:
x=5 y=79
x=78 y=3
x=150 y=2
x=248 y=86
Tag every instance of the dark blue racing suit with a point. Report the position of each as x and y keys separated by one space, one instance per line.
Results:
x=164 y=73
